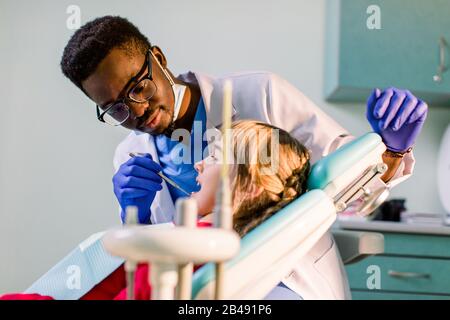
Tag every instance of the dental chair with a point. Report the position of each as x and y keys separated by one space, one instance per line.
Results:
x=249 y=268
x=235 y=268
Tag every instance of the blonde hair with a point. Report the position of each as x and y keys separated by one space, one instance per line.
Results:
x=259 y=191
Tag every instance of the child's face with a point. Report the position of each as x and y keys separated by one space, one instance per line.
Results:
x=208 y=178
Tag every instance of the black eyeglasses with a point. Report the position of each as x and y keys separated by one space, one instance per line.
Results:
x=118 y=112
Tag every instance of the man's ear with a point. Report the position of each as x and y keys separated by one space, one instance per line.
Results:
x=160 y=56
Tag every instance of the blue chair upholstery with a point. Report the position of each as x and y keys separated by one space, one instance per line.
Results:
x=333 y=165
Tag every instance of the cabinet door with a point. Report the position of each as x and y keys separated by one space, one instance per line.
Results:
x=404 y=52
x=401 y=274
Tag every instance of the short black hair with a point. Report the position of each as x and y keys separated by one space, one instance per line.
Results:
x=90 y=44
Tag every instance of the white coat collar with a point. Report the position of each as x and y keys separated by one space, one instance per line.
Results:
x=212 y=93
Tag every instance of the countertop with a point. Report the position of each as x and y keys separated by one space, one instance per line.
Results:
x=388 y=226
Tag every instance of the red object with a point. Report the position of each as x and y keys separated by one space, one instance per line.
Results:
x=142 y=288
x=23 y=296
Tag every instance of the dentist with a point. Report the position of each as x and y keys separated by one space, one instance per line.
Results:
x=129 y=81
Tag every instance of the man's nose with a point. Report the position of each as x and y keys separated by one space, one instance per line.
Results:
x=138 y=109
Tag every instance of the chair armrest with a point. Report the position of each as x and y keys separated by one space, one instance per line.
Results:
x=357 y=245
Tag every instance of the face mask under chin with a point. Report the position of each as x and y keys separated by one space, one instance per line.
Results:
x=178 y=93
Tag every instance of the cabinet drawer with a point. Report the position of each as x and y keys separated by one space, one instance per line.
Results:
x=408 y=275
x=426 y=246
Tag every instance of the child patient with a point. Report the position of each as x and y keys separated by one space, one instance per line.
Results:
x=269 y=169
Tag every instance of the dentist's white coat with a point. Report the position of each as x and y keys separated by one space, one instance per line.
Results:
x=267 y=97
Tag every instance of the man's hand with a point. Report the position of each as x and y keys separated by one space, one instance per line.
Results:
x=397 y=116
x=136 y=183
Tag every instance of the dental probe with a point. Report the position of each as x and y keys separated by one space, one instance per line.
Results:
x=131 y=218
x=168 y=180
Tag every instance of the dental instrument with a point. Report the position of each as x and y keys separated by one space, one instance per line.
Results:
x=187 y=217
x=222 y=212
x=168 y=180
x=130 y=265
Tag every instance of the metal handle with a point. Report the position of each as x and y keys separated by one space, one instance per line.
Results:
x=400 y=274
x=442 y=67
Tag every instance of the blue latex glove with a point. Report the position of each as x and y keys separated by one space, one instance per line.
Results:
x=136 y=183
x=397 y=116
